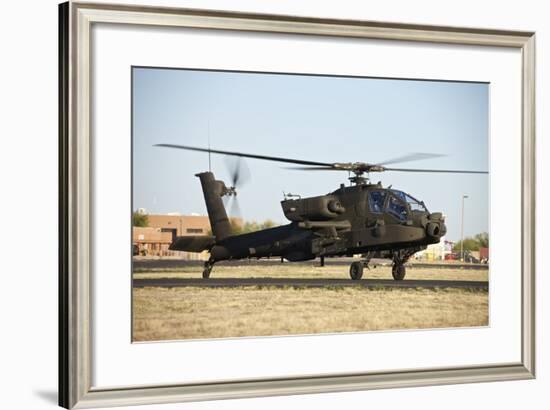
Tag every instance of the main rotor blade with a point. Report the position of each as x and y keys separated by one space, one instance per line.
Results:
x=326 y=166
x=241 y=154
x=415 y=156
x=451 y=171
x=455 y=171
x=331 y=168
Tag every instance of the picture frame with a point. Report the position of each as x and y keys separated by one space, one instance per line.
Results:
x=75 y=206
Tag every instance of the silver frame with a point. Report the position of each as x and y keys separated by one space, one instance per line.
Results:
x=75 y=354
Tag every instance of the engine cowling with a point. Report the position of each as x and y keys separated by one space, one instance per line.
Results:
x=317 y=208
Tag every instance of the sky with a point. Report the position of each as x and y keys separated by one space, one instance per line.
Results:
x=317 y=118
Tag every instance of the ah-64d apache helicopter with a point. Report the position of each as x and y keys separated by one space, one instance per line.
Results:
x=362 y=218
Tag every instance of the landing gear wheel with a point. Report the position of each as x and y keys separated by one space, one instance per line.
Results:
x=356 y=270
x=206 y=271
x=398 y=271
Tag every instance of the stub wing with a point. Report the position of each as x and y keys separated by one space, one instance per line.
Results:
x=344 y=225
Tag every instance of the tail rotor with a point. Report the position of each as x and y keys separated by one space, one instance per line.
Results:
x=239 y=175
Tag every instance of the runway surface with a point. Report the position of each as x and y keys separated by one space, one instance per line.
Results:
x=308 y=283
x=142 y=265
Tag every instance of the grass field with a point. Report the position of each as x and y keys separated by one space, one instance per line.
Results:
x=197 y=313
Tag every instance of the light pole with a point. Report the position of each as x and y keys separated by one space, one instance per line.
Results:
x=462 y=229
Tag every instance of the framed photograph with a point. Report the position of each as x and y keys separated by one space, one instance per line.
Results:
x=256 y=205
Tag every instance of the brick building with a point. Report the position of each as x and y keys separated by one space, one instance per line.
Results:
x=150 y=241
x=155 y=239
x=180 y=225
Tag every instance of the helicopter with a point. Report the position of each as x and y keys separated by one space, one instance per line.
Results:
x=360 y=218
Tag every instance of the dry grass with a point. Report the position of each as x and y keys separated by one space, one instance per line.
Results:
x=307 y=271
x=194 y=312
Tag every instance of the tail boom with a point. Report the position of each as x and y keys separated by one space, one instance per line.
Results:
x=193 y=243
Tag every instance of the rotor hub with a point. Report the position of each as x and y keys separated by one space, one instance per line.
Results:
x=230 y=191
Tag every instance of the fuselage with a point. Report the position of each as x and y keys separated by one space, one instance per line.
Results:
x=351 y=220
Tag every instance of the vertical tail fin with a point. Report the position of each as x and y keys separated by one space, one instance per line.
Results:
x=213 y=191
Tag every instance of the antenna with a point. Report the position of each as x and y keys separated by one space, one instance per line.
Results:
x=209 y=153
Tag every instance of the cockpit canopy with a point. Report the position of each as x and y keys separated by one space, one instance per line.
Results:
x=392 y=201
x=414 y=203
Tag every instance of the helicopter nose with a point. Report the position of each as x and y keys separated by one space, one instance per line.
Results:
x=436 y=225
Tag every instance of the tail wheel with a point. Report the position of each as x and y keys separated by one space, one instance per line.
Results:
x=356 y=270
x=398 y=271
x=207 y=270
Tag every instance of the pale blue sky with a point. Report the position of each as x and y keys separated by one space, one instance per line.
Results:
x=319 y=118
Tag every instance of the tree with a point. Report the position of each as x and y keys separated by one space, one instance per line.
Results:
x=268 y=223
x=139 y=219
x=470 y=244
x=251 y=226
x=481 y=240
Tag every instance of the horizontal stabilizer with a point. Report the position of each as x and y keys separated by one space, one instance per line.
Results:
x=193 y=243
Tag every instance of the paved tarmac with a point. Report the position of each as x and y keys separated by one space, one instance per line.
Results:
x=174 y=264
x=308 y=283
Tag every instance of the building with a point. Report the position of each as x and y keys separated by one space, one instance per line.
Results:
x=155 y=239
x=484 y=255
x=436 y=251
x=150 y=241
x=180 y=225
